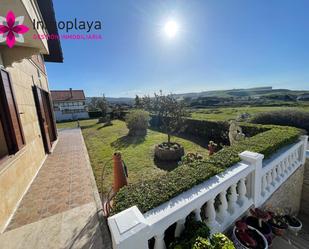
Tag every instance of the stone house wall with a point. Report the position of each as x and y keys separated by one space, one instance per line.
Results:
x=18 y=171
x=304 y=209
x=289 y=194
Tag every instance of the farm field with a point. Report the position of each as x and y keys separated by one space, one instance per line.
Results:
x=227 y=113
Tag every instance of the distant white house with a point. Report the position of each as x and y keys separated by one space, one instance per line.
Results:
x=69 y=104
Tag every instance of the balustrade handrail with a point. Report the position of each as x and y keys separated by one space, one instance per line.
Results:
x=250 y=182
x=278 y=156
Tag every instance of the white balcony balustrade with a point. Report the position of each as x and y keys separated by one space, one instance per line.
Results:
x=250 y=182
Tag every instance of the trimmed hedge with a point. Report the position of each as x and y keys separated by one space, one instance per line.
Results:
x=119 y=115
x=150 y=194
x=95 y=114
x=212 y=130
x=299 y=119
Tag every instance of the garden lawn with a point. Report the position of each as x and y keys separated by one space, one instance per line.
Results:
x=137 y=152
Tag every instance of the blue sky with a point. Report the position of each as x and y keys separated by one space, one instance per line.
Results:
x=221 y=44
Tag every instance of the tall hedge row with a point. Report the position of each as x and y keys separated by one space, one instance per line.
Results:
x=151 y=193
x=216 y=131
x=295 y=118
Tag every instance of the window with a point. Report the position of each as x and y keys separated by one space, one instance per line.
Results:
x=11 y=133
x=3 y=145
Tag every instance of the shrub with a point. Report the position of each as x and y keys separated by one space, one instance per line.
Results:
x=299 y=119
x=194 y=230
x=202 y=243
x=220 y=241
x=137 y=122
x=95 y=114
x=151 y=193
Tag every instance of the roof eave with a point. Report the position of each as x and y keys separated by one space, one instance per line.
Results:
x=49 y=17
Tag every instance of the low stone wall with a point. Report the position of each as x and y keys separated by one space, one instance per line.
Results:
x=289 y=194
x=304 y=209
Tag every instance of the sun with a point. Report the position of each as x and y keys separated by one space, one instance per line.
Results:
x=171 y=28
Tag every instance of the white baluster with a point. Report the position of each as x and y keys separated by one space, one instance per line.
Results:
x=281 y=170
x=197 y=213
x=222 y=213
x=180 y=226
x=289 y=163
x=274 y=176
x=296 y=157
x=269 y=180
x=293 y=159
x=264 y=185
x=242 y=190
x=159 y=242
x=233 y=199
x=211 y=214
x=286 y=170
x=278 y=179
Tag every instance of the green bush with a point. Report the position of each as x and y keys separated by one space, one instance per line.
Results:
x=299 y=119
x=151 y=193
x=196 y=235
x=220 y=241
x=137 y=122
x=202 y=243
x=193 y=230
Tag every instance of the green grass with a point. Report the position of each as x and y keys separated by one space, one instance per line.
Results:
x=227 y=113
x=137 y=152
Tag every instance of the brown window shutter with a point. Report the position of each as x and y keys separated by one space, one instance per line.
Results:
x=12 y=111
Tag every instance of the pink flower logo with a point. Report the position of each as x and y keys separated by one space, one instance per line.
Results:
x=12 y=29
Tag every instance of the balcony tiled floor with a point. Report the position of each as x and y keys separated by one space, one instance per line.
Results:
x=292 y=241
x=62 y=183
x=63 y=186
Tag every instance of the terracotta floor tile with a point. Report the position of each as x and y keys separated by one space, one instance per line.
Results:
x=62 y=183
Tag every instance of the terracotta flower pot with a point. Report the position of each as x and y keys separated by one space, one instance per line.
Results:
x=277 y=229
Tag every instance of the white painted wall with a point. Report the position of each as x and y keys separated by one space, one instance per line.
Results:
x=70 y=116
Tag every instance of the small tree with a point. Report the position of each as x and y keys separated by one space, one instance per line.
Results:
x=137 y=122
x=93 y=104
x=137 y=102
x=102 y=104
x=169 y=111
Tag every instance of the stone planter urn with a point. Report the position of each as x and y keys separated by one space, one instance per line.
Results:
x=169 y=152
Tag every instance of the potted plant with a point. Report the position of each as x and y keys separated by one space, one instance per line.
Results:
x=245 y=237
x=220 y=241
x=212 y=147
x=171 y=116
x=259 y=220
x=294 y=224
x=191 y=158
x=278 y=222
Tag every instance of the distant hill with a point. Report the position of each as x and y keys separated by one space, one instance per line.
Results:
x=250 y=94
x=124 y=101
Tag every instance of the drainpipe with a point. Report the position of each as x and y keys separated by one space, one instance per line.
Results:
x=120 y=176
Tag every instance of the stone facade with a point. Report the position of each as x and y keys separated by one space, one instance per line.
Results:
x=305 y=193
x=289 y=193
x=18 y=171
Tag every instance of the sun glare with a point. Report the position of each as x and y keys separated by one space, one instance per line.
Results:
x=171 y=28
